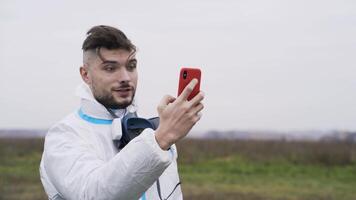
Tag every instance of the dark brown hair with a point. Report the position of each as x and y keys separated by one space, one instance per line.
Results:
x=107 y=37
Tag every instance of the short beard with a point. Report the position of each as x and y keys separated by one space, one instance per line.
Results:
x=108 y=100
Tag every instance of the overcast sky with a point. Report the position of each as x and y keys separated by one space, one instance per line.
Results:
x=276 y=65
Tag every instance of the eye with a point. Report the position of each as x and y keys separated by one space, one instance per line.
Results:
x=109 y=68
x=132 y=65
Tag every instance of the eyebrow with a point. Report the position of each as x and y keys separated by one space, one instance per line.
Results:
x=133 y=59
x=110 y=62
x=117 y=63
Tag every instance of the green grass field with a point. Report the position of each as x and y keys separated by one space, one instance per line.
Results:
x=247 y=170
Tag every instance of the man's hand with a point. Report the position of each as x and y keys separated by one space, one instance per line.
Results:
x=178 y=116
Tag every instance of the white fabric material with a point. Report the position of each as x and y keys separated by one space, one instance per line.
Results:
x=116 y=132
x=80 y=160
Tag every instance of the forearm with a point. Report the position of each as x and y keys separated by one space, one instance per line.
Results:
x=132 y=171
x=78 y=174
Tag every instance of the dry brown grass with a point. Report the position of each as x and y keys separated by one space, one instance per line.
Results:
x=298 y=152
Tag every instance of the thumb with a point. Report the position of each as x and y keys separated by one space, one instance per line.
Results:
x=167 y=99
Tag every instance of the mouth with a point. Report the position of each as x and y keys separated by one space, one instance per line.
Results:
x=124 y=91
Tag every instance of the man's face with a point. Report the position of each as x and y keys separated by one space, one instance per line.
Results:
x=112 y=79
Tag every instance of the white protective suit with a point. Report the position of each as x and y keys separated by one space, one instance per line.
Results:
x=80 y=160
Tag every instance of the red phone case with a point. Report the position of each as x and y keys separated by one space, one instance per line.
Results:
x=185 y=76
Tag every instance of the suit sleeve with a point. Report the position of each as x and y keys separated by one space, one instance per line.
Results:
x=77 y=171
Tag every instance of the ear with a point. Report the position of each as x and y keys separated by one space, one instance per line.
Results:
x=84 y=73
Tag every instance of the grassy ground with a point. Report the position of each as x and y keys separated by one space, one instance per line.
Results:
x=247 y=170
x=254 y=170
x=19 y=175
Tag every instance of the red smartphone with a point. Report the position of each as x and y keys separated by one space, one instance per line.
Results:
x=185 y=76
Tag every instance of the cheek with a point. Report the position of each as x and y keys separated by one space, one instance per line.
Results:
x=101 y=80
x=100 y=83
x=134 y=78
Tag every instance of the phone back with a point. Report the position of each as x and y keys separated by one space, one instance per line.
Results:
x=186 y=75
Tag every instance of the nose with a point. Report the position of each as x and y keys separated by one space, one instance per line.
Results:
x=124 y=75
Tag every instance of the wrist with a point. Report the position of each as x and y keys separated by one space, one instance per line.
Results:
x=162 y=142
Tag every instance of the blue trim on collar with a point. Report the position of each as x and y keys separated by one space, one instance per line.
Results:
x=92 y=119
x=143 y=197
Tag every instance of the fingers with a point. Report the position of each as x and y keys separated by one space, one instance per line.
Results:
x=164 y=102
x=196 y=111
x=194 y=114
x=187 y=90
x=197 y=108
x=197 y=99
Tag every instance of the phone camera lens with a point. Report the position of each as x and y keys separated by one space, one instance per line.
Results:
x=185 y=74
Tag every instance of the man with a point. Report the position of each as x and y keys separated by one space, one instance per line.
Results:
x=84 y=155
